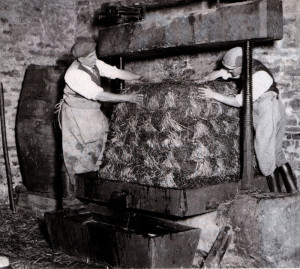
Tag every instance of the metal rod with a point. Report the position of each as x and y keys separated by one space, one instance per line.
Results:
x=122 y=83
x=5 y=151
x=247 y=119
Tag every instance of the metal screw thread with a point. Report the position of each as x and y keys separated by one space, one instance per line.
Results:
x=247 y=119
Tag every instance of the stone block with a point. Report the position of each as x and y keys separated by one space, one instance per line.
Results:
x=224 y=25
x=266 y=230
x=209 y=229
x=291 y=7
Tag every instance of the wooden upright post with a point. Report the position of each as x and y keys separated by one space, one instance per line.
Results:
x=122 y=82
x=5 y=150
x=247 y=118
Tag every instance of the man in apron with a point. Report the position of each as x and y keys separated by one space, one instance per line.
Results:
x=84 y=126
x=269 y=118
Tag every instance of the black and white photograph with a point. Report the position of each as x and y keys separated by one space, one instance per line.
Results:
x=149 y=134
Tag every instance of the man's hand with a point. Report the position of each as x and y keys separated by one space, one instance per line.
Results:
x=144 y=79
x=135 y=98
x=222 y=73
x=207 y=93
x=210 y=94
x=140 y=79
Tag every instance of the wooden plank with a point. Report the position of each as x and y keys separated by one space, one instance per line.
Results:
x=218 y=249
x=156 y=4
x=177 y=202
x=67 y=235
x=225 y=25
x=181 y=249
x=36 y=203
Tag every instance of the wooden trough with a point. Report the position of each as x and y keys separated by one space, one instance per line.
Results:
x=126 y=241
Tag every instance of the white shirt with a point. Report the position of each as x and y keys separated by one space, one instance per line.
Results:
x=80 y=81
x=261 y=82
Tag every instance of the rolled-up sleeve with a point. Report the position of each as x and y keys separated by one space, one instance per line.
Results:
x=109 y=71
x=81 y=83
x=239 y=98
x=261 y=82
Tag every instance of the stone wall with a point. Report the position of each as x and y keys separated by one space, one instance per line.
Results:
x=41 y=32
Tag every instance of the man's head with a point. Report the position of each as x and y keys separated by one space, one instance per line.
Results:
x=233 y=61
x=84 y=51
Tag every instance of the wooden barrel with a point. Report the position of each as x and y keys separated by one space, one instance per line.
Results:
x=38 y=134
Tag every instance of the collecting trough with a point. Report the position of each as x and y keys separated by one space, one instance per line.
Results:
x=125 y=241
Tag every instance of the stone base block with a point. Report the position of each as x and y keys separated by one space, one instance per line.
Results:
x=208 y=223
x=266 y=231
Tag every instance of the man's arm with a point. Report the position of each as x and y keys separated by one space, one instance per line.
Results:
x=81 y=83
x=222 y=73
x=113 y=72
x=127 y=75
x=135 y=98
x=210 y=94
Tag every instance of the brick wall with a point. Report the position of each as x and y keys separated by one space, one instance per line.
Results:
x=32 y=32
x=42 y=32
